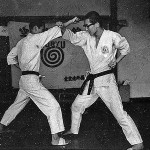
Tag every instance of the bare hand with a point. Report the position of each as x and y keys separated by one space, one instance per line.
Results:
x=75 y=20
x=40 y=77
x=59 y=24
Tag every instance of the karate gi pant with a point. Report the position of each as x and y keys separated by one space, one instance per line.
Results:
x=110 y=96
x=31 y=87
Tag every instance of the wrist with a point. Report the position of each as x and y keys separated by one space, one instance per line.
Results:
x=67 y=23
x=71 y=22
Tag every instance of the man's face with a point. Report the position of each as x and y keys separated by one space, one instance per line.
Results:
x=37 y=29
x=89 y=27
x=41 y=29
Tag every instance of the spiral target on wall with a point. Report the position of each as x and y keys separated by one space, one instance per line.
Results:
x=52 y=56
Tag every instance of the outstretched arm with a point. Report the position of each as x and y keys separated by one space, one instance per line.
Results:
x=64 y=25
x=74 y=20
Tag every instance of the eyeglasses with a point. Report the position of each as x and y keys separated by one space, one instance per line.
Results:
x=87 y=26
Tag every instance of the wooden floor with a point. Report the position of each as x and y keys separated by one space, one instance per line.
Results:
x=99 y=129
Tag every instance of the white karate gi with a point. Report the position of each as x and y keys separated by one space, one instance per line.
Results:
x=28 y=52
x=105 y=86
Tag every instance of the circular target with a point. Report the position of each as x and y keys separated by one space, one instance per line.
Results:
x=52 y=56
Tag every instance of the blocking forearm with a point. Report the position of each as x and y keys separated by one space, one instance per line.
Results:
x=63 y=28
x=67 y=23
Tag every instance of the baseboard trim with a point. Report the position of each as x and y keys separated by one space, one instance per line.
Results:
x=140 y=99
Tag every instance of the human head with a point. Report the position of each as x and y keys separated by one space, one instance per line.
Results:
x=36 y=26
x=92 y=21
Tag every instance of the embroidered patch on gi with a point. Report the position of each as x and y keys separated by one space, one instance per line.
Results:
x=105 y=50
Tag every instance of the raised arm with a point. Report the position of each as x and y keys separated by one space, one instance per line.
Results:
x=54 y=32
x=78 y=38
x=64 y=25
x=49 y=35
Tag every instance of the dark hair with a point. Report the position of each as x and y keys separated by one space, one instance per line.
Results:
x=37 y=23
x=94 y=17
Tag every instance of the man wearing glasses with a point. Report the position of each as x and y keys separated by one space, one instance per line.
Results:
x=100 y=47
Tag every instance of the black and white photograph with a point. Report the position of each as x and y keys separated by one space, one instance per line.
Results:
x=74 y=74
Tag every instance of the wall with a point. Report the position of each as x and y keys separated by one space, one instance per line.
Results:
x=70 y=67
x=135 y=66
x=52 y=7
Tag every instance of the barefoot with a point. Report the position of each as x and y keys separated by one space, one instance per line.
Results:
x=68 y=132
x=137 y=147
x=55 y=141
x=60 y=141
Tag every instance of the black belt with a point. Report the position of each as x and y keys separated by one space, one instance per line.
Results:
x=30 y=72
x=91 y=78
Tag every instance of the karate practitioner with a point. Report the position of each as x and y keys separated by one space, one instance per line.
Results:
x=26 y=56
x=100 y=47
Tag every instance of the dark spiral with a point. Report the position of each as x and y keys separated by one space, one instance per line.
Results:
x=52 y=57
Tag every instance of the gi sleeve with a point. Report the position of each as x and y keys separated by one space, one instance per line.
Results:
x=121 y=44
x=12 y=56
x=49 y=35
x=78 y=38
